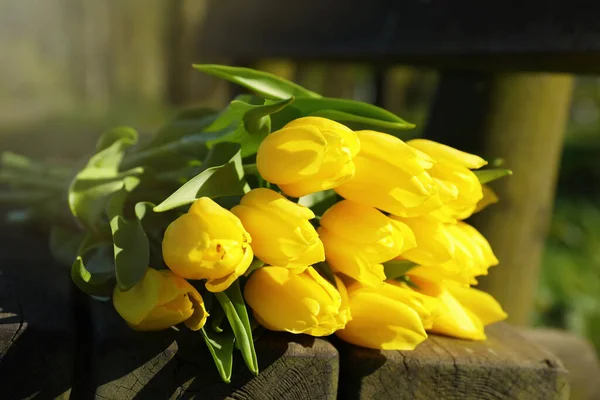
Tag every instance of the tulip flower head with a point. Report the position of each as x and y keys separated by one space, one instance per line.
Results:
x=389 y=317
x=391 y=176
x=160 y=300
x=308 y=155
x=457 y=250
x=459 y=188
x=465 y=311
x=208 y=242
x=359 y=238
x=297 y=303
x=281 y=232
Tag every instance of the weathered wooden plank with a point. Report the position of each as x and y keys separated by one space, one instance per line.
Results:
x=160 y=365
x=466 y=33
x=576 y=354
x=37 y=334
x=506 y=366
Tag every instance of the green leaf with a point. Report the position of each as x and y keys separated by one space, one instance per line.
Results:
x=396 y=268
x=154 y=224
x=188 y=122
x=93 y=269
x=64 y=244
x=357 y=122
x=131 y=247
x=257 y=120
x=220 y=346
x=250 y=116
x=100 y=178
x=113 y=135
x=217 y=316
x=351 y=112
x=235 y=309
x=223 y=175
x=263 y=83
x=256 y=264
x=488 y=175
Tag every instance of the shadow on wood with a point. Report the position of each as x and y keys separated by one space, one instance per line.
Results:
x=37 y=331
x=160 y=365
x=506 y=366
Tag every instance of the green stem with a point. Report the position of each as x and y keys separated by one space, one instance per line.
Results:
x=29 y=180
x=250 y=169
x=186 y=145
x=19 y=162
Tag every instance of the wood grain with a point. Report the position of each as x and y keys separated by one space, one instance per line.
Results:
x=506 y=366
x=176 y=365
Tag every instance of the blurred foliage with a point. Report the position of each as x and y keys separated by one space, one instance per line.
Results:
x=569 y=292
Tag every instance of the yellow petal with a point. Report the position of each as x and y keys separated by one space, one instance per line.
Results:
x=288 y=155
x=481 y=304
x=441 y=152
x=382 y=323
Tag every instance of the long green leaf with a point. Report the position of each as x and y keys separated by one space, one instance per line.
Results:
x=220 y=346
x=263 y=83
x=154 y=224
x=223 y=176
x=488 y=175
x=396 y=268
x=235 y=309
x=351 y=107
x=131 y=246
x=358 y=122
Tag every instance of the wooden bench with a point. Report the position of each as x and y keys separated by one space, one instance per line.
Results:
x=56 y=343
x=113 y=362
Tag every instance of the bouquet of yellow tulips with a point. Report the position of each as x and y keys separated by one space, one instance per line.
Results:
x=285 y=210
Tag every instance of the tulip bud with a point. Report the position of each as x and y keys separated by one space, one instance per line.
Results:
x=391 y=176
x=465 y=311
x=281 y=232
x=208 y=242
x=457 y=251
x=308 y=155
x=298 y=303
x=389 y=317
x=459 y=187
x=359 y=238
x=160 y=300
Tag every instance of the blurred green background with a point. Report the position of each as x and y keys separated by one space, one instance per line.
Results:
x=77 y=67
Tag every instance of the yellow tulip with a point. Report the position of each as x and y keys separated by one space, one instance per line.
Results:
x=458 y=251
x=434 y=244
x=308 y=155
x=208 y=242
x=281 y=232
x=459 y=188
x=298 y=303
x=465 y=311
x=389 y=317
x=160 y=300
x=391 y=176
x=359 y=238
